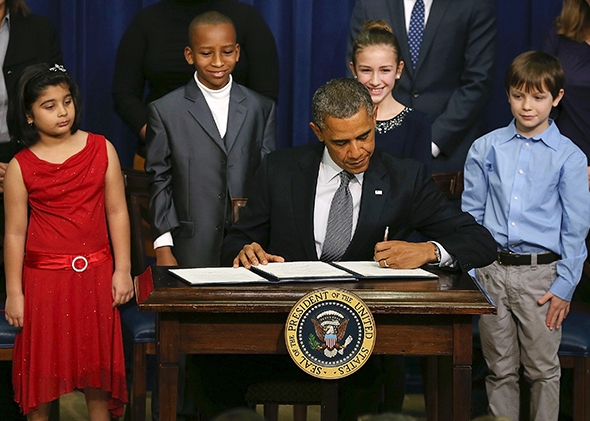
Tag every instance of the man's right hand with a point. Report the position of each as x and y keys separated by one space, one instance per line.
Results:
x=253 y=254
x=164 y=257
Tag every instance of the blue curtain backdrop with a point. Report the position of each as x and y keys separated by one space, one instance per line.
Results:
x=311 y=38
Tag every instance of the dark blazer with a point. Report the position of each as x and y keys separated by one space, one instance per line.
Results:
x=453 y=77
x=192 y=169
x=32 y=40
x=397 y=192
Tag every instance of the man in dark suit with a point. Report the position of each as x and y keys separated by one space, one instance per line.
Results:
x=289 y=210
x=283 y=212
x=452 y=77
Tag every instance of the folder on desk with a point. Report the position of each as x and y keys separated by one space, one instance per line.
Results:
x=275 y=272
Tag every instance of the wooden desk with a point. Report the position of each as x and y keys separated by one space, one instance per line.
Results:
x=413 y=317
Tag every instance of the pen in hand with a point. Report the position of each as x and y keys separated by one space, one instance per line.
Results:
x=386 y=235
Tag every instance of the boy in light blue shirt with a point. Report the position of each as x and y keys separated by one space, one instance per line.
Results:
x=527 y=184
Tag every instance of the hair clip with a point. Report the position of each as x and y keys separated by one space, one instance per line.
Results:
x=57 y=67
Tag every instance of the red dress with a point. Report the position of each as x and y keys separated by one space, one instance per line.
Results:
x=71 y=338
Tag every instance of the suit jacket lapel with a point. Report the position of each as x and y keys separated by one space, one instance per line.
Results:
x=237 y=114
x=201 y=112
x=375 y=193
x=303 y=194
x=437 y=12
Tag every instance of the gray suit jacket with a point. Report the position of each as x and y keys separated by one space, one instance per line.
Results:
x=453 y=77
x=194 y=173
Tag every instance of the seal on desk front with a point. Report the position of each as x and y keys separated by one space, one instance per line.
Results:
x=330 y=333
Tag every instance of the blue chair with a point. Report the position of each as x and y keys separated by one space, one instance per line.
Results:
x=574 y=353
x=139 y=329
x=7 y=335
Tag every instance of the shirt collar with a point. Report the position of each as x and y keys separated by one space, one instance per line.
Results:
x=331 y=169
x=6 y=20
x=215 y=93
x=549 y=136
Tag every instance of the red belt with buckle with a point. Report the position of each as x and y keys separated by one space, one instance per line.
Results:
x=77 y=262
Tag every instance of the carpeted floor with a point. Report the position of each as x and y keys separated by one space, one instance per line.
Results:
x=73 y=408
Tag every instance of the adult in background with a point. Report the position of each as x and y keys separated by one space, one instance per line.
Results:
x=569 y=41
x=448 y=48
x=25 y=39
x=150 y=61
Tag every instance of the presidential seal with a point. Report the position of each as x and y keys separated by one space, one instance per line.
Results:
x=330 y=333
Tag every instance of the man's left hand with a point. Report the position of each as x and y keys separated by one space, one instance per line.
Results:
x=403 y=255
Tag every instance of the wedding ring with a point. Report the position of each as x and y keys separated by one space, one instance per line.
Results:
x=385 y=261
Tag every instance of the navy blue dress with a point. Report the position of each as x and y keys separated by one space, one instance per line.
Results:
x=408 y=135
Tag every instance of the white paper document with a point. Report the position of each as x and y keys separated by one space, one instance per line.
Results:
x=218 y=276
x=304 y=270
x=370 y=269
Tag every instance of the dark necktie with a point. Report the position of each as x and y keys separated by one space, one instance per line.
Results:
x=339 y=230
x=416 y=31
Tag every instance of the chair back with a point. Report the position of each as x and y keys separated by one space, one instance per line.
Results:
x=138 y=197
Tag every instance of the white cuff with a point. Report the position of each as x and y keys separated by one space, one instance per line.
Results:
x=446 y=260
x=435 y=150
x=164 y=240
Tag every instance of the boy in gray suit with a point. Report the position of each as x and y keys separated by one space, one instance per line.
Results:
x=204 y=143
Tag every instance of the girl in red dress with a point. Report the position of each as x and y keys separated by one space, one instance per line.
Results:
x=65 y=208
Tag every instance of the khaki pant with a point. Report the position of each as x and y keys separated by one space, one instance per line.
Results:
x=518 y=334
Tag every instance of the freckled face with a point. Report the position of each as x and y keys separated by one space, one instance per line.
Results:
x=53 y=113
x=214 y=53
x=350 y=141
x=531 y=109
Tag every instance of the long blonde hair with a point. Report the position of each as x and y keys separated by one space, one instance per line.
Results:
x=574 y=20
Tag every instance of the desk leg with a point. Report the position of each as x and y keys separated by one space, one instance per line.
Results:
x=167 y=351
x=462 y=354
x=329 y=400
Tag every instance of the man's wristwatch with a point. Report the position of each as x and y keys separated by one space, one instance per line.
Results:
x=437 y=252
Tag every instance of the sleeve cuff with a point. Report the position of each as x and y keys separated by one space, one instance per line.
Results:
x=164 y=240
x=446 y=260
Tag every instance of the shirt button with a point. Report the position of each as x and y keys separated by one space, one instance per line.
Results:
x=527 y=144
x=513 y=224
x=520 y=171
x=415 y=94
x=222 y=196
x=515 y=197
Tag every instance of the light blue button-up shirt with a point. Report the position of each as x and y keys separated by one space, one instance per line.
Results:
x=532 y=195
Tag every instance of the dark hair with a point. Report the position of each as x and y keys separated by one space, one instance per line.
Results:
x=340 y=98
x=33 y=82
x=208 y=18
x=375 y=32
x=574 y=20
x=535 y=71
x=17 y=7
